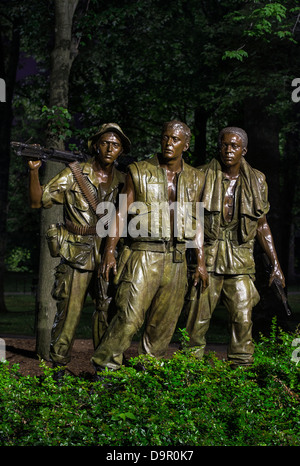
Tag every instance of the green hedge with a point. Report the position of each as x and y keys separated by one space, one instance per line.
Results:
x=175 y=402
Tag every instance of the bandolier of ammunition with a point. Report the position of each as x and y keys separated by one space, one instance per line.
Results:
x=79 y=230
x=89 y=195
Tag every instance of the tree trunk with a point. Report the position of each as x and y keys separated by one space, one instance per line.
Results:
x=8 y=70
x=61 y=61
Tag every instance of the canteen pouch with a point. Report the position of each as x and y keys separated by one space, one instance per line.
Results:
x=55 y=236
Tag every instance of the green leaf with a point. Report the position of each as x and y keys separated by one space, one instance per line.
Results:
x=235 y=54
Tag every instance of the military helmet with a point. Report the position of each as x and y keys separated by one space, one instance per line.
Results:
x=110 y=128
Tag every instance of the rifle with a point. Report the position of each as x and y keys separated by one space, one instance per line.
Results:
x=36 y=152
x=276 y=287
x=280 y=293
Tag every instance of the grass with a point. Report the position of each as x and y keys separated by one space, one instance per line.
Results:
x=20 y=301
x=20 y=320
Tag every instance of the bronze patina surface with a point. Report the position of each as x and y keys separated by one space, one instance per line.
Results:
x=76 y=241
x=154 y=280
x=236 y=203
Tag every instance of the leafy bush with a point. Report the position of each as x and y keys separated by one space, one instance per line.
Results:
x=177 y=402
x=18 y=260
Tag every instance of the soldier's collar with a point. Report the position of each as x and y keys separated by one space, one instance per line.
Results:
x=154 y=161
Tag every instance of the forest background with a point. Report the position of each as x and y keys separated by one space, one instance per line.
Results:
x=140 y=63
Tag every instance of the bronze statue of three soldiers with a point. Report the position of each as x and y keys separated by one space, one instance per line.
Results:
x=149 y=259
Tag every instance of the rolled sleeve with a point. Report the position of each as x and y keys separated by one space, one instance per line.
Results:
x=54 y=190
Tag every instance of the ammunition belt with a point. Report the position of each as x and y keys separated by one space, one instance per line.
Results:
x=80 y=230
x=84 y=185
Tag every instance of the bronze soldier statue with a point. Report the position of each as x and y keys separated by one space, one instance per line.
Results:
x=154 y=278
x=80 y=188
x=235 y=207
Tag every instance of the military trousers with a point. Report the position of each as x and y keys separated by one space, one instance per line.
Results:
x=152 y=289
x=70 y=289
x=239 y=295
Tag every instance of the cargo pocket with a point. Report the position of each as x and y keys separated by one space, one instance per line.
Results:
x=243 y=256
x=77 y=252
x=78 y=200
x=61 y=287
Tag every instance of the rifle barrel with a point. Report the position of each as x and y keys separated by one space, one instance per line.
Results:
x=36 y=152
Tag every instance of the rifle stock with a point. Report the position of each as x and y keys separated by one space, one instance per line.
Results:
x=276 y=287
x=36 y=152
x=279 y=291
